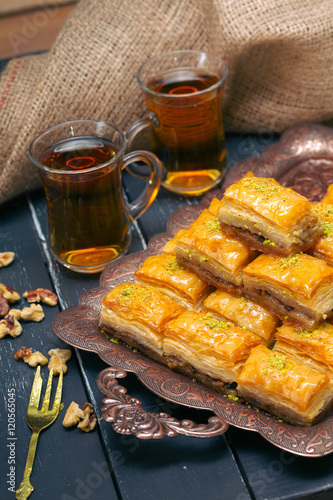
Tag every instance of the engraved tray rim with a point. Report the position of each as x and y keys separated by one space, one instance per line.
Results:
x=302 y=146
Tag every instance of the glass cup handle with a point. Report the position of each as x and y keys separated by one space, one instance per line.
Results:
x=146 y=198
x=139 y=126
x=132 y=133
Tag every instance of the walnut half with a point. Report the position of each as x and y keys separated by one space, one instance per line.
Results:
x=33 y=313
x=6 y=258
x=87 y=416
x=10 y=326
x=73 y=415
x=58 y=360
x=32 y=358
x=90 y=418
x=41 y=294
x=9 y=293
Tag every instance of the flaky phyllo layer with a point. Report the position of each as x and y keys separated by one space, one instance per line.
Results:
x=299 y=286
x=212 y=254
x=268 y=216
x=214 y=347
x=289 y=389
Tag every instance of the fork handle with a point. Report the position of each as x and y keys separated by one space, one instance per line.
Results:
x=25 y=489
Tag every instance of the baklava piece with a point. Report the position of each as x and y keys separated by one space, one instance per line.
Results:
x=298 y=287
x=214 y=206
x=137 y=315
x=214 y=256
x=289 y=390
x=243 y=312
x=169 y=277
x=328 y=198
x=210 y=350
x=169 y=247
x=323 y=247
x=269 y=217
x=313 y=347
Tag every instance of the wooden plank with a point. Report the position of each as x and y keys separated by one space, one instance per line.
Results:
x=35 y=31
x=65 y=458
x=10 y=6
x=274 y=474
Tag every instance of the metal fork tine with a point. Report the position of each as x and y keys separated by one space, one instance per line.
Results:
x=36 y=389
x=46 y=401
x=57 y=398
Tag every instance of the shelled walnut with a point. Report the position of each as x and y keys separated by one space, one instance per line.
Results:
x=4 y=306
x=58 y=360
x=6 y=258
x=73 y=415
x=9 y=293
x=16 y=313
x=41 y=294
x=87 y=416
x=32 y=358
x=90 y=418
x=7 y=296
x=10 y=326
x=33 y=313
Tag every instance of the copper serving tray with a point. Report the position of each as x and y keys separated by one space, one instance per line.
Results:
x=303 y=160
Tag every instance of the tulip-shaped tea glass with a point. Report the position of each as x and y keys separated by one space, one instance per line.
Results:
x=80 y=163
x=183 y=92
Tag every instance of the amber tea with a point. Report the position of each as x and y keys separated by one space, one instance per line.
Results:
x=189 y=136
x=88 y=223
x=80 y=163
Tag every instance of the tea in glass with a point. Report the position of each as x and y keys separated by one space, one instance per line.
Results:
x=183 y=92
x=189 y=139
x=90 y=226
x=80 y=164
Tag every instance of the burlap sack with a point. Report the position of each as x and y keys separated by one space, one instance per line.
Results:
x=279 y=53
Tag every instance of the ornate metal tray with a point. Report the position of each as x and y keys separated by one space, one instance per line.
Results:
x=303 y=160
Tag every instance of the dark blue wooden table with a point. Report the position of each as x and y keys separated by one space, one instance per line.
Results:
x=71 y=464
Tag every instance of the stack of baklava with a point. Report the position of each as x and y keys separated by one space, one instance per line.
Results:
x=241 y=300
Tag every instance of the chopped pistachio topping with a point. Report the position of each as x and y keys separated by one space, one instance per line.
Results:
x=328 y=228
x=265 y=187
x=233 y=398
x=212 y=225
x=172 y=265
x=311 y=334
x=324 y=209
x=142 y=293
x=242 y=301
x=279 y=362
x=290 y=261
x=218 y=326
x=204 y=259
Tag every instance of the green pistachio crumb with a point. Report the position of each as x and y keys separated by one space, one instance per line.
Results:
x=213 y=225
